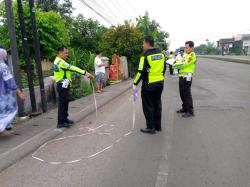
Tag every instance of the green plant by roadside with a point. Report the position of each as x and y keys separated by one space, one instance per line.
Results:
x=51 y=29
x=82 y=59
x=79 y=87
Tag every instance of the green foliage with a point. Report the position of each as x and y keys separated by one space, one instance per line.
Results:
x=211 y=48
x=86 y=33
x=153 y=28
x=124 y=40
x=24 y=79
x=51 y=30
x=236 y=51
x=79 y=87
x=64 y=8
x=201 y=50
x=207 y=49
x=56 y=26
x=82 y=59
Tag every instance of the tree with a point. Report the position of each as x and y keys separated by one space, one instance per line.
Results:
x=211 y=48
x=153 y=28
x=51 y=29
x=124 y=40
x=86 y=34
x=65 y=8
x=207 y=49
x=201 y=49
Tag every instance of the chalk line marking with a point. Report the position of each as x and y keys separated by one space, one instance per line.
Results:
x=118 y=140
x=90 y=131
x=127 y=133
x=91 y=156
x=73 y=161
x=55 y=163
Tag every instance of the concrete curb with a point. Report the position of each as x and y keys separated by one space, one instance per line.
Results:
x=15 y=154
x=228 y=59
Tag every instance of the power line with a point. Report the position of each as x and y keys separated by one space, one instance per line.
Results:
x=128 y=7
x=101 y=9
x=86 y=4
x=110 y=10
x=133 y=8
x=116 y=5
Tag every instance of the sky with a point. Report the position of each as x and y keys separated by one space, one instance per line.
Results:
x=195 y=20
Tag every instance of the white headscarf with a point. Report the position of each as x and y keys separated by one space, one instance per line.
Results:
x=3 y=55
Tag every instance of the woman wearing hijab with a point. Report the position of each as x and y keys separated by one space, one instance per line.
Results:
x=8 y=92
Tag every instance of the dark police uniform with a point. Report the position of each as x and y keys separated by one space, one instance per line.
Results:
x=62 y=77
x=151 y=71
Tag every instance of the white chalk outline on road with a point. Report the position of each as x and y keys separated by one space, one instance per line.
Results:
x=90 y=131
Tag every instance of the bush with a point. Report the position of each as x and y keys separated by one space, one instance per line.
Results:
x=77 y=91
x=51 y=29
x=83 y=60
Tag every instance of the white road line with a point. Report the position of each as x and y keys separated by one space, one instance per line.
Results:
x=118 y=140
x=127 y=134
x=91 y=156
x=38 y=158
x=73 y=161
x=163 y=171
x=55 y=163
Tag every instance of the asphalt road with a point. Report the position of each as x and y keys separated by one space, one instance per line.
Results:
x=210 y=150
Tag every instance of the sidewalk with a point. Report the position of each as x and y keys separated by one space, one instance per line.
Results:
x=36 y=131
x=238 y=59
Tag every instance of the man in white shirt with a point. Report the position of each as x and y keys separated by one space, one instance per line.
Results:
x=99 y=72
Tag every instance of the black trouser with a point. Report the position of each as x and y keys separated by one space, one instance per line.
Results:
x=151 y=104
x=63 y=103
x=185 y=94
x=171 y=70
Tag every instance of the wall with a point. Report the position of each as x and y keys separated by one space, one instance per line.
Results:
x=50 y=95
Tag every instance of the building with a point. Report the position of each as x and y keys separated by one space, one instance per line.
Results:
x=243 y=42
x=238 y=44
x=225 y=44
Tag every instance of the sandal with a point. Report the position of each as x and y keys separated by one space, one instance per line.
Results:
x=6 y=133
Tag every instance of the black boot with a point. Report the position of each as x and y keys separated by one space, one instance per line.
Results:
x=181 y=111
x=63 y=125
x=69 y=121
x=188 y=115
x=158 y=129
x=148 y=131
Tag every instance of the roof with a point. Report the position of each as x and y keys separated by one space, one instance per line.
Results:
x=226 y=40
x=245 y=36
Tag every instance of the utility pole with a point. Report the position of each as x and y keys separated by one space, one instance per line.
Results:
x=37 y=55
x=26 y=52
x=14 y=52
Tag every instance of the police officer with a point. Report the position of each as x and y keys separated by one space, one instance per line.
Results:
x=151 y=71
x=171 y=56
x=180 y=57
x=63 y=78
x=186 y=72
